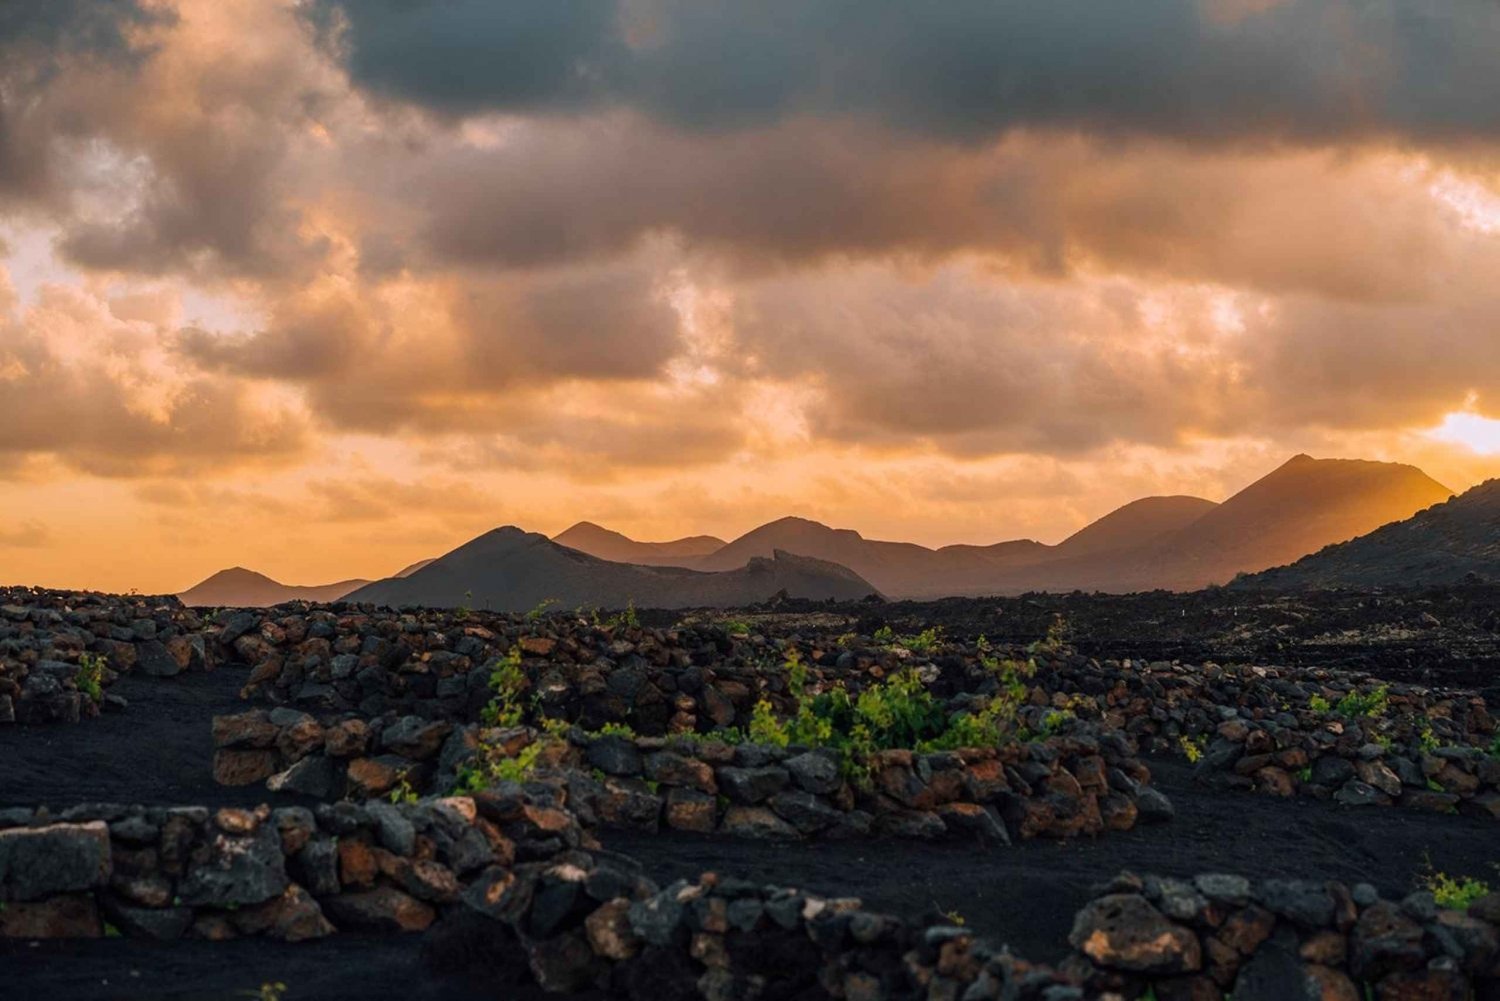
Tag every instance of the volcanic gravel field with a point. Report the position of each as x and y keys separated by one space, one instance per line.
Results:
x=158 y=751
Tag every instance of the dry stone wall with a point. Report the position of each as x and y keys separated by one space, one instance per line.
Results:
x=1059 y=787
x=291 y=873
x=578 y=923
x=47 y=638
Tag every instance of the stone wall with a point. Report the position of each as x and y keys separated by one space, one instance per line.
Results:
x=579 y=923
x=291 y=873
x=46 y=635
x=1341 y=762
x=1059 y=787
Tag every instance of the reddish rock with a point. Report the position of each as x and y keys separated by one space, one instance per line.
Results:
x=253 y=729
x=349 y=739
x=384 y=908
x=1122 y=931
x=243 y=768
x=64 y=916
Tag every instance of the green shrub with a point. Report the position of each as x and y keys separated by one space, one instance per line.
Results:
x=1371 y=704
x=489 y=766
x=90 y=676
x=1455 y=894
x=507 y=681
x=540 y=609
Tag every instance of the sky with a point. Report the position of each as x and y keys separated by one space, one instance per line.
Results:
x=321 y=288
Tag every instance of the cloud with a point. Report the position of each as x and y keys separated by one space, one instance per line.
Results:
x=30 y=534
x=1307 y=70
x=101 y=396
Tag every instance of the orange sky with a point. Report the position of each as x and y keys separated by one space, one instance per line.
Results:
x=322 y=289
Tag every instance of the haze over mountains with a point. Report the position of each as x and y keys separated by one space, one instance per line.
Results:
x=1175 y=543
x=241 y=588
x=1450 y=542
x=511 y=570
x=590 y=538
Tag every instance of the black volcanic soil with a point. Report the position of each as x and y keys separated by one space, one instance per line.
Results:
x=159 y=751
x=1442 y=636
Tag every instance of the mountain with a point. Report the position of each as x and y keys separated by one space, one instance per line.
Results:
x=241 y=588
x=1134 y=524
x=904 y=569
x=512 y=570
x=1298 y=508
x=587 y=537
x=408 y=571
x=1444 y=544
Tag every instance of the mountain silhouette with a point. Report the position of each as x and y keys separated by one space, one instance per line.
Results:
x=509 y=569
x=1298 y=508
x=587 y=537
x=241 y=588
x=1455 y=541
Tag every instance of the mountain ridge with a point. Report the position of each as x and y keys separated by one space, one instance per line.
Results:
x=509 y=569
x=1454 y=541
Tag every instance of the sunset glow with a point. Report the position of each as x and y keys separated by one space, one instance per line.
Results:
x=1472 y=431
x=289 y=285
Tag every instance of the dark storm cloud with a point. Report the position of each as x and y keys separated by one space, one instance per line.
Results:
x=1223 y=69
x=34 y=36
x=95 y=26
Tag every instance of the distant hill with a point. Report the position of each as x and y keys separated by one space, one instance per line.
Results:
x=1453 y=541
x=241 y=588
x=1133 y=525
x=512 y=570
x=408 y=571
x=587 y=537
x=904 y=569
x=1298 y=508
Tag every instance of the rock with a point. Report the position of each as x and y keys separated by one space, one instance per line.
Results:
x=1308 y=904
x=752 y=785
x=1357 y=793
x=609 y=931
x=349 y=739
x=919 y=825
x=239 y=870
x=690 y=810
x=415 y=738
x=658 y=919
x=1384 y=940
x=313 y=776
x=615 y=755
x=397 y=833
x=1233 y=891
x=1153 y=806
x=973 y=820
x=38 y=862
x=804 y=811
x=756 y=822
x=1331 y=771
x=815 y=772
x=294 y=917
x=299 y=739
x=1124 y=932
x=676 y=770
x=154 y=660
x=1275 y=973
x=1377 y=775
x=63 y=916
x=253 y=729
x=243 y=768
x=382 y=909
x=372 y=777
x=160 y=924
